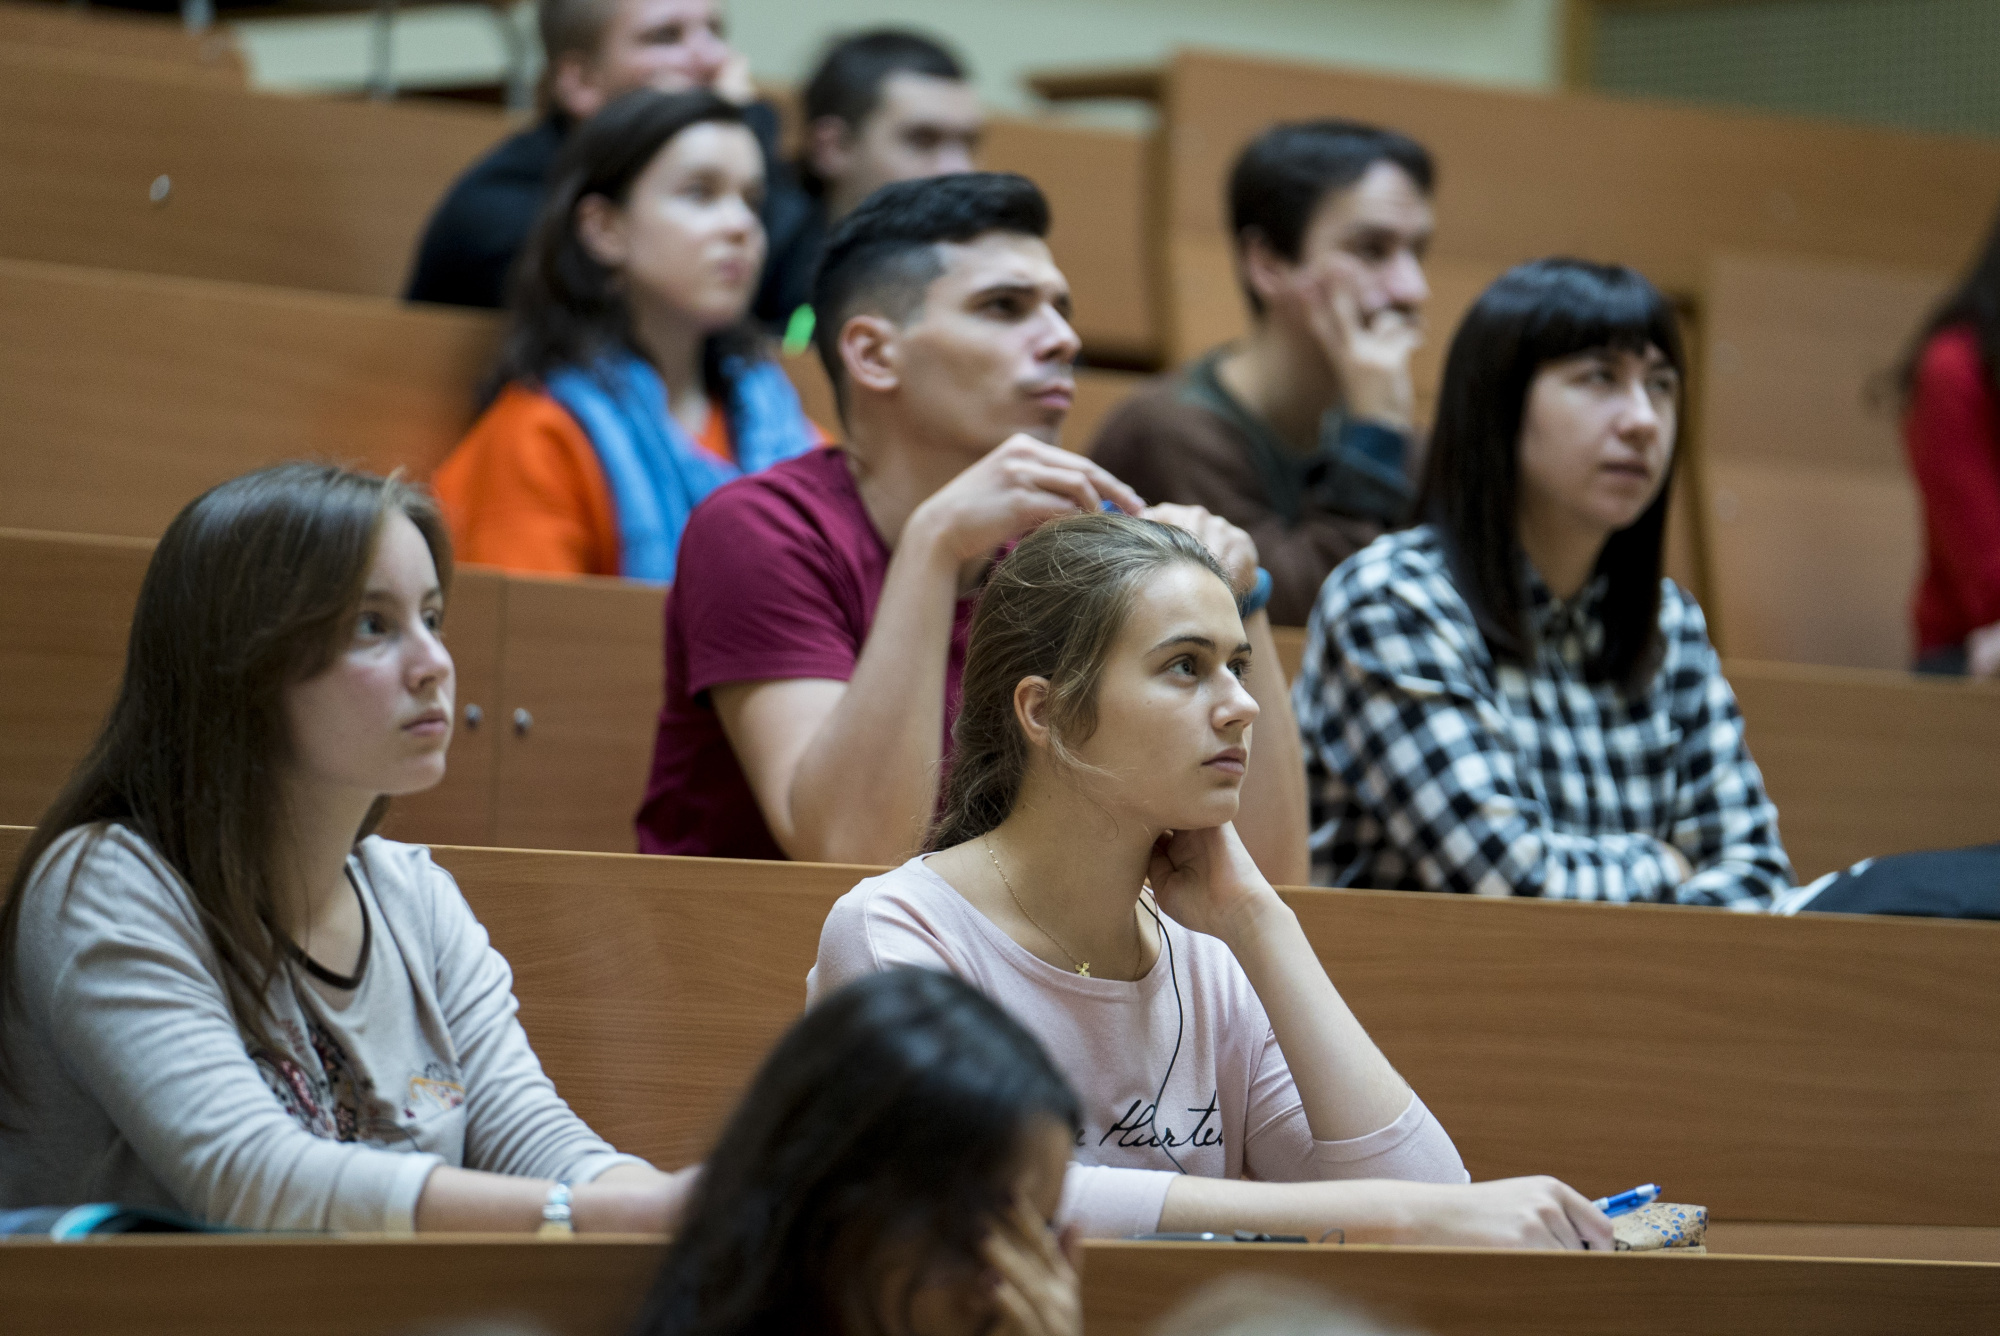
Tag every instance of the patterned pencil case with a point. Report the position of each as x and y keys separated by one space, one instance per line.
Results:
x=1661 y=1226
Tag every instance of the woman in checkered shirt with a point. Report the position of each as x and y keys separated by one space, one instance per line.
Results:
x=1509 y=699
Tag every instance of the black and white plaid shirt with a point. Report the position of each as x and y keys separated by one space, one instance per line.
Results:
x=1432 y=768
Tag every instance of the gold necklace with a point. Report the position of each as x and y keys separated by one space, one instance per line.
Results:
x=1082 y=966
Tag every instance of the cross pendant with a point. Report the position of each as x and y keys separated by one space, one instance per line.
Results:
x=1084 y=969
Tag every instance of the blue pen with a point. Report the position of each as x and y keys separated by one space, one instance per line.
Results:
x=1628 y=1201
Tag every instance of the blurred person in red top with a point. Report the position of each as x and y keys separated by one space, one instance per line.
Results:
x=1951 y=429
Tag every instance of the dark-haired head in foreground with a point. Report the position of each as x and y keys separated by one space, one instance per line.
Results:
x=941 y=312
x=889 y=1137
x=1555 y=443
x=886 y=105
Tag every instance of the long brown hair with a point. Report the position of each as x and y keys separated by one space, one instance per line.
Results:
x=1050 y=609
x=251 y=589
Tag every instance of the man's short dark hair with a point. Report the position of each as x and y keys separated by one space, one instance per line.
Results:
x=884 y=254
x=848 y=80
x=1280 y=180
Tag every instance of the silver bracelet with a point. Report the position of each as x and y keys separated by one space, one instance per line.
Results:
x=556 y=1222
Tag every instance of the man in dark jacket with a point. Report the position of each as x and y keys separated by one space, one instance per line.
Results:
x=1300 y=434
x=594 y=50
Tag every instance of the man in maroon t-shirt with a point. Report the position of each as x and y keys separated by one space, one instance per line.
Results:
x=817 y=625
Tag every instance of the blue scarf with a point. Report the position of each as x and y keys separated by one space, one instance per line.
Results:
x=655 y=470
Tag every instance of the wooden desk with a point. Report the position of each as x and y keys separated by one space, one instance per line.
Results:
x=1860 y=762
x=231 y=1286
x=1829 y=1069
x=1801 y=1077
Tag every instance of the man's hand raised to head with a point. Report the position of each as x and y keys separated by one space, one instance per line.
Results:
x=1020 y=483
x=1369 y=351
x=1233 y=550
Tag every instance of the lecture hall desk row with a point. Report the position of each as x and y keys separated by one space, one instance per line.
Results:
x=331 y=194
x=1825 y=1085
x=130 y=393
x=486 y=1286
x=1828 y=1084
x=565 y=675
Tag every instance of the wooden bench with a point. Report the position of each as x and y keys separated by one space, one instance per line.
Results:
x=332 y=194
x=1860 y=763
x=1803 y=1078
x=230 y=1286
x=130 y=394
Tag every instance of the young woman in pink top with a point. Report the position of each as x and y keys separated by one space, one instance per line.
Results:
x=1101 y=747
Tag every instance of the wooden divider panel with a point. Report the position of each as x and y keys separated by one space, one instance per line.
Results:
x=1815 y=523
x=1863 y=764
x=65 y=612
x=128 y=395
x=583 y=670
x=652 y=987
x=298 y=191
x=1823 y=1069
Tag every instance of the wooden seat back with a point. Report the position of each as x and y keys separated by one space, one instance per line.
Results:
x=559 y=681
x=1814 y=523
x=1664 y=187
x=130 y=394
x=302 y=192
x=332 y=194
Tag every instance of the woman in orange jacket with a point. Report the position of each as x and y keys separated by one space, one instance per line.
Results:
x=629 y=385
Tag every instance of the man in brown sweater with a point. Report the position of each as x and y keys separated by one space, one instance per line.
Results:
x=1300 y=433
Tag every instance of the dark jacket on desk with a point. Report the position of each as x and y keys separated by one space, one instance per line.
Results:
x=469 y=246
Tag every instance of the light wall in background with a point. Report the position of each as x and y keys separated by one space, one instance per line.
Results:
x=1918 y=64
x=1508 y=42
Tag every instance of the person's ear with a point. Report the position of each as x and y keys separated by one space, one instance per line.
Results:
x=870 y=352
x=1265 y=272
x=1031 y=710
x=572 y=87
x=830 y=149
x=600 y=229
